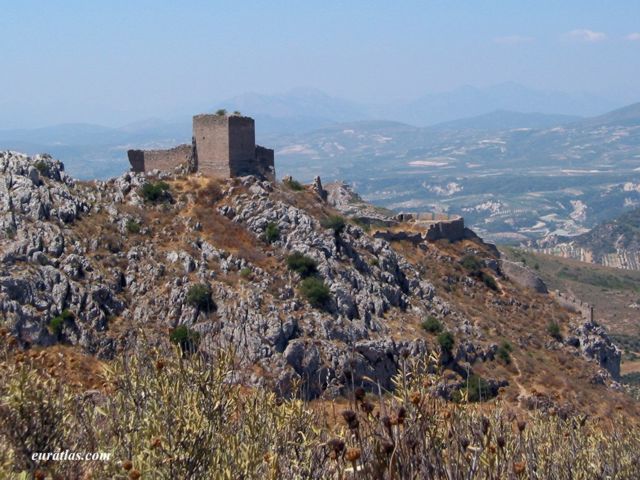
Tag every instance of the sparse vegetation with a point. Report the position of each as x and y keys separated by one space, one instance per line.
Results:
x=155 y=192
x=315 y=291
x=504 y=352
x=302 y=265
x=56 y=324
x=41 y=166
x=553 y=329
x=335 y=223
x=471 y=263
x=489 y=281
x=446 y=342
x=272 y=232
x=245 y=272
x=189 y=411
x=199 y=296
x=294 y=185
x=476 y=390
x=10 y=232
x=186 y=338
x=133 y=226
x=432 y=325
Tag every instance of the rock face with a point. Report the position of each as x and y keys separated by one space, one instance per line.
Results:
x=523 y=276
x=105 y=264
x=595 y=344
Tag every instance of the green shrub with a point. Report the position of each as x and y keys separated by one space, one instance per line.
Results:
x=10 y=232
x=245 y=272
x=41 y=166
x=477 y=389
x=133 y=226
x=185 y=337
x=432 y=325
x=155 y=191
x=504 y=352
x=315 y=291
x=489 y=281
x=221 y=112
x=301 y=264
x=446 y=342
x=199 y=296
x=56 y=324
x=293 y=185
x=553 y=329
x=471 y=263
x=374 y=262
x=334 y=222
x=272 y=232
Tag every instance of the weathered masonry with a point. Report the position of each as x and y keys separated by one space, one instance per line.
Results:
x=222 y=146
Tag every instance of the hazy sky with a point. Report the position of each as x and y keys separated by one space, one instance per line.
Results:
x=116 y=61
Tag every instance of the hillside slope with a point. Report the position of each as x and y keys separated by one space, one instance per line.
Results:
x=94 y=266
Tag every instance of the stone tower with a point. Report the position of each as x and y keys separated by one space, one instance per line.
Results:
x=223 y=146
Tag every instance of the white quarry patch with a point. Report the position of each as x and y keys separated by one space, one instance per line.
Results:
x=450 y=188
x=297 y=149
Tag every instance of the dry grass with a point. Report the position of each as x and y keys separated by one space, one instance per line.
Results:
x=168 y=417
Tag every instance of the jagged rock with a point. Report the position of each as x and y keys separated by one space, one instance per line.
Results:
x=317 y=188
x=596 y=345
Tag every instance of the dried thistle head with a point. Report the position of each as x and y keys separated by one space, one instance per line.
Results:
x=351 y=418
x=353 y=454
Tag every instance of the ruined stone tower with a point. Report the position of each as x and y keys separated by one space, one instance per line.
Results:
x=223 y=146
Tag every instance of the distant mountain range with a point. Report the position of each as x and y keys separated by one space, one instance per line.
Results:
x=515 y=176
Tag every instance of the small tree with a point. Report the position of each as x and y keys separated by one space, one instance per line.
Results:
x=272 y=232
x=221 y=112
x=302 y=265
x=315 y=291
x=446 y=342
x=432 y=325
x=199 y=296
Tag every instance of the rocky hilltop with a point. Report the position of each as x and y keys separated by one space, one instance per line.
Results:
x=307 y=297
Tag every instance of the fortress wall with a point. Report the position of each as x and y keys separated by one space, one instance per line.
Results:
x=167 y=160
x=211 y=135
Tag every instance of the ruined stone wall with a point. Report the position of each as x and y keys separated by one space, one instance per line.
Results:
x=211 y=136
x=452 y=230
x=166 y=160
x=265 y=163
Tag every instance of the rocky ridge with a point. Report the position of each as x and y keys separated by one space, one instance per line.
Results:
x=70 y=247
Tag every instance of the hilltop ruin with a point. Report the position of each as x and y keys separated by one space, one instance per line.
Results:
x=222 y=146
